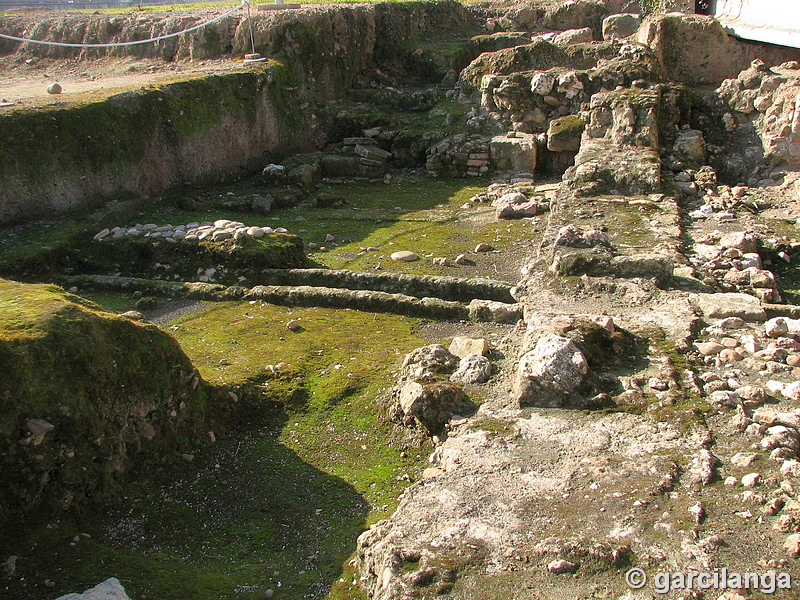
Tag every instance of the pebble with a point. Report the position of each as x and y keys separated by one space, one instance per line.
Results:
x=559 y=567
x=483 y=247
x=54 y=88
x=294 y=325
x=709 y=348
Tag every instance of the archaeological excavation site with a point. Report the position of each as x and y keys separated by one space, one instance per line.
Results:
x=400 y=300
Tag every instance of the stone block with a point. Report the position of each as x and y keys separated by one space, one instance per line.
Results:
x=621 y=25
x=564 y=134
x=515 y=154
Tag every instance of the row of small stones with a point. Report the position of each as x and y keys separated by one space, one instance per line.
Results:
x=217 y=231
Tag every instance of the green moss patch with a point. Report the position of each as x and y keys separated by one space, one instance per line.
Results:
x=87 y=399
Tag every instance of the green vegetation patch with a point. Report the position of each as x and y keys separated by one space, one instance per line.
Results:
x=87 y=400
x=280 y=499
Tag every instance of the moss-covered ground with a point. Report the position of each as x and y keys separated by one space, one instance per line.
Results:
x=278 y=501
x=410 y=212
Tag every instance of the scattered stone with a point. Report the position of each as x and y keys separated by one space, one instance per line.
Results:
x=574 y=36
x=294 y=325
x=702 y=468
x=550 y=372
x=531 y=208
x=776 y=327
x=432 y=404
x=559 y=567
x=709 y=348
x=54 y=88
x=575 y=236
x=426 y=362
x=133 y=315
x=698 y=512
x=491 y=311
x=792 y=544
x=745 y=242
x=10 y=565
x=404 y=256
x=473 y=368
x=751 y=480
x=483 y=247
x=542 y=83
x=463 y=347
x=110 y=589
x=621 y=25
x=743 y=459
x=722 y=305
x=38 y=428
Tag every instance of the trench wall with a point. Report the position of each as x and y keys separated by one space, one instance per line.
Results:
x=59 y=160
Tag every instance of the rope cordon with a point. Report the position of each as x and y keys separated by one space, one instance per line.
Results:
x=115 y=44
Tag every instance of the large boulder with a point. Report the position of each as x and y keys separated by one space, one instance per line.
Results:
x=550 y=373
x=427 y=362
x=431 y=404
x=473 y=368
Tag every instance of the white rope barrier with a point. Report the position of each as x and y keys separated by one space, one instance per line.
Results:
x=116 y=44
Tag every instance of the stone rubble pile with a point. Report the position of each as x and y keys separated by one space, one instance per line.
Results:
x=428 y=392
x=517 y=199
x=731 y=262
x=218 y=231
x=753 y=371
